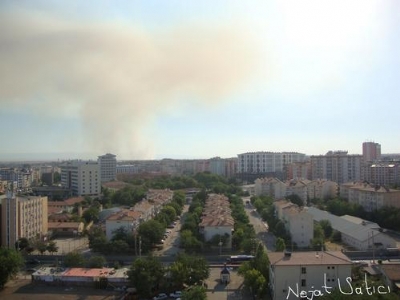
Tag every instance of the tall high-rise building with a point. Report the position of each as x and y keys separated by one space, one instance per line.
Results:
x=108 y=167
x=81 y=177
x=337 y=166
x=23 y=217
x=371 y=151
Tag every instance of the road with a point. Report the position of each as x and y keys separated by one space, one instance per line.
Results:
x=171 y=243
x=260 y=227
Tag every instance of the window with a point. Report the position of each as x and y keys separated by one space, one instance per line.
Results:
x=303 y=282
x=303 y=270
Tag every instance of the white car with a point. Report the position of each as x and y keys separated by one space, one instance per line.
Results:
x=160 y=297
x=176 y=294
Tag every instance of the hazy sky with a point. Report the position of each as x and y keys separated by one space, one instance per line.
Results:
x=197 y=79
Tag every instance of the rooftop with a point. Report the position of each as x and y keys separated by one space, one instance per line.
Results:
x=308 y=258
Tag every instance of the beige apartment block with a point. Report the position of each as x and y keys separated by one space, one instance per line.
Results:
x=298 y=222
x=23 y=217
x=292 y=273
x=370 y=197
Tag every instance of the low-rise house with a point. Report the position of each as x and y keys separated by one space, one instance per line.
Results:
x=63 y=206
x=391 y=275
x=292 y=273
x=81 y=276
x=146 y=209
x=357 y=233
x=66 y=229
x=159 y=198
x=216 y=219
x=129 y=220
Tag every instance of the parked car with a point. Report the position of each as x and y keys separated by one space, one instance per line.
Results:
x=176 y=294
x=160 y=296
x=33 y=261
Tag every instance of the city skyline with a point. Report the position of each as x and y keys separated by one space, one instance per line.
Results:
x=153 y=80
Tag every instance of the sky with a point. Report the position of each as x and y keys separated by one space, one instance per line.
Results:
x=197 y=79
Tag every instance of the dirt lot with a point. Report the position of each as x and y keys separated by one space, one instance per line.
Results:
x=22 y=289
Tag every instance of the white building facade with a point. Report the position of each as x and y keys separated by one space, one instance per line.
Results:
x=291 y=273
x=82 y=177
x=267 y=162
x=108 y=167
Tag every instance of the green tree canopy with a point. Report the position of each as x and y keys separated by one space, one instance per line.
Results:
x=10 y=261
x=52 y=247
x=195 y=292
x=146 y=274
x=280 y=245
x=151 y=232
x=97 y=261
x=74 y=259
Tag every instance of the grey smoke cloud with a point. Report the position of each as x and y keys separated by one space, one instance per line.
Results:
x=117 y=78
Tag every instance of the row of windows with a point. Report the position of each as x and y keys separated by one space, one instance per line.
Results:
x=304 y=269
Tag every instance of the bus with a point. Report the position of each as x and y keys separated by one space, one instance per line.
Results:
x=238 y=259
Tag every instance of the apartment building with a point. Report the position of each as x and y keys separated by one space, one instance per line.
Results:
x=217 y=219
x=127 y=219
x=298 y=222
x=305 y=189
x=291 y=273
x=23 y=217
x=81 y=177
x=382 y=173
x=371 y=151
x=297 y=170
x=298 y=187
x=270 y=186
x=108 y=167
x=159 y=197
x=370 y=197
x=322 y=189
x=272 y=163
x=21 y=177
x=337 y=166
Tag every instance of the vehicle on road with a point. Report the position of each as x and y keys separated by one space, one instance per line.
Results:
x=160 y=296
x=176 y=294
x=238 y=259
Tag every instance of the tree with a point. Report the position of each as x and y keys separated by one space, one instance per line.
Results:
x=280 y=245
x=22 y=244
x=52 y=247
x=146 y=274
x=326 y=227
x=194 y=293
x=189 y=270
x=41 y=246
x=256 y=272
x=91 y=214
x=10 y=261
x=295 y=199
x=97 y=261
x=255 y=282
x=151 y=232
x=74 y=259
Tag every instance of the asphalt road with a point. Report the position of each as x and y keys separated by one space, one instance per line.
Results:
x=260 y=227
